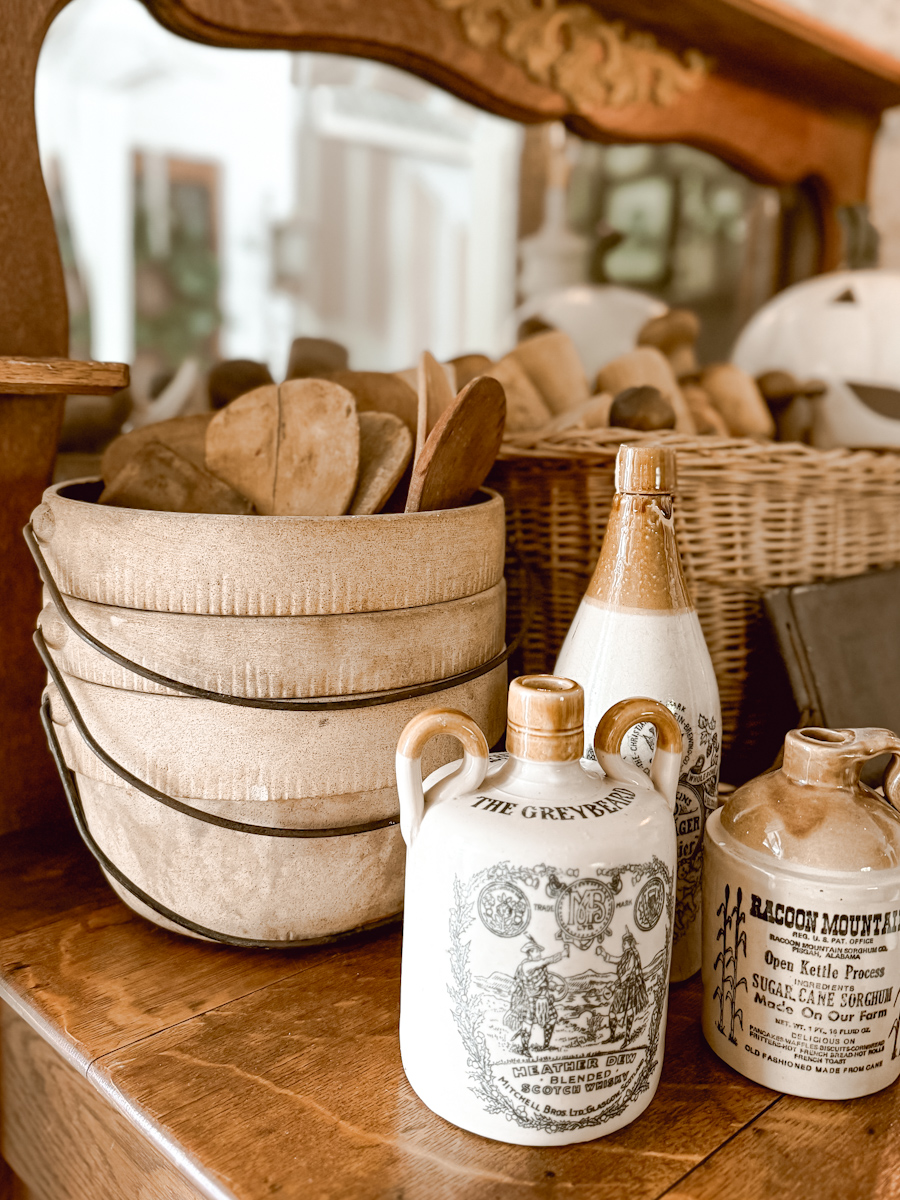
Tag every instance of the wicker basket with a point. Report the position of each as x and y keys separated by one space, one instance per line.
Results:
x=750 y=516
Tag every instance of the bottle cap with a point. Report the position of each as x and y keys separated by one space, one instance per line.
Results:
x=545 y=719
x=645 y=469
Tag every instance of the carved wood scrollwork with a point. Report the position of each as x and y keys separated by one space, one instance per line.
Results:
x=592 y=62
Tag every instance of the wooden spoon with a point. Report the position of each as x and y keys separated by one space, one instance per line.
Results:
x=461 y=448
x=436 y=395
x=376 y=391
x=185 y=435
x=385 y=447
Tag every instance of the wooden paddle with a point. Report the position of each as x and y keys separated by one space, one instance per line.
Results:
x=435 y=396
x=385 y=448
x=461 y=448
x=291 y=448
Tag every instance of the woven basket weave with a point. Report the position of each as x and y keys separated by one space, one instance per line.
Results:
x=749 y=516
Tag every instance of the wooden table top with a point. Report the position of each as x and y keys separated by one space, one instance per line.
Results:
x=262 y=1073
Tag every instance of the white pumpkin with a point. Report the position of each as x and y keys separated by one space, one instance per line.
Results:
x=842 y=328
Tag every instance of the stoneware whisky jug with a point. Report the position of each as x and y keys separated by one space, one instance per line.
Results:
x=538 y=924
x=801 y=920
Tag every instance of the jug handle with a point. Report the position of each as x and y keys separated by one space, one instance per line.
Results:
x=420 y=730
x=891 y=781
x=882 y=741
x=850 y=749
x=666 y=765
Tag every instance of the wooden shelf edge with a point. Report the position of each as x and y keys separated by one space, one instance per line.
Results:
x=189 y=1166
x=60 y=376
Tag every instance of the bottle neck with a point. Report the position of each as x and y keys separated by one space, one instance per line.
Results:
x=639 y=565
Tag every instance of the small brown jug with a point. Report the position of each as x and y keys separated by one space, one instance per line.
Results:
x=801 y=920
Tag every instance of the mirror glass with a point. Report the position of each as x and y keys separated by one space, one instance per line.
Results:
x=216 y=203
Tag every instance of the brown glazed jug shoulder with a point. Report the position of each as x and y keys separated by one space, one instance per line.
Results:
x=815 y=811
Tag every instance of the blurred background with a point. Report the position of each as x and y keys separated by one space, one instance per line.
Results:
x=216 y=203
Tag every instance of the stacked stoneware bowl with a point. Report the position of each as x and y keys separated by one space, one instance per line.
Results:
x=264 y=607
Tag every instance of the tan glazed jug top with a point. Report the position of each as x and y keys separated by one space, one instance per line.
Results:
x=815 y=811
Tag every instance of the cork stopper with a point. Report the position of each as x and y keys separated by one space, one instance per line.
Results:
x=545 y=719
x=645 y=470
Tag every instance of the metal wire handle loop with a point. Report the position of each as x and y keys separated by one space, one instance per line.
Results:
x=77 y=809
x=289 y=703
x=73 y=796
x=188 y=811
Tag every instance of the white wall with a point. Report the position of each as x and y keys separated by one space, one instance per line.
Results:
x=876 y=22
x=112 y=82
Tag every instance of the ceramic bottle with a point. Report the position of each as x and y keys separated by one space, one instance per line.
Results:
x=636 y=633
x=801 y=920
x=538 y=919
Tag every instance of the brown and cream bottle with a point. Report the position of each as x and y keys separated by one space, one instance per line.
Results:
x=636 y=633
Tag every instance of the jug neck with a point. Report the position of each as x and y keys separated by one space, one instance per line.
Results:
x=545 y=719
x=833 y=758
x=527 y=770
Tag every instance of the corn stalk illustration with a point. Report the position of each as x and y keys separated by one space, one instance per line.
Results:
x=734 y=943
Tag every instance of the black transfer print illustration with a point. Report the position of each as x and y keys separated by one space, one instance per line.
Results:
x=696 y=797
x=895 y=1028
x=558 y=986
x=504 y=909
x=629 y=998
x=649 y=903
x=531 y=1002
x=728 y=984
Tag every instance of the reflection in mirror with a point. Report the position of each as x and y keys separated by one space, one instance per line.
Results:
x=214 y=204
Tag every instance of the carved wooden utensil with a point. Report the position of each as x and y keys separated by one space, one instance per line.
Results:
x=385 y=447
x=185 y=435
x=291 y=448
x=461 y=448
x=435 y=397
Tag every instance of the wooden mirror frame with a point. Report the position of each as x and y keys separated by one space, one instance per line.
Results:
x=776 y=94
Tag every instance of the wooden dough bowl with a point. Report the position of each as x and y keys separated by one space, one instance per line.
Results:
x=275 y=657
x=205 y=750
x=242 y=884
x=249 y=566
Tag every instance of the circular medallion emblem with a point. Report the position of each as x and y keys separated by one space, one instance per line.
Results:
x=504 y=910
x=649 y=903
x=585 y=908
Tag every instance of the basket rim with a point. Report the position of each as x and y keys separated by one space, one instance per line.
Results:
x=602 y=444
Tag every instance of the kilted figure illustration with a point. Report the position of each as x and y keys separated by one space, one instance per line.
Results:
x=629 y=998
x=531 y=1002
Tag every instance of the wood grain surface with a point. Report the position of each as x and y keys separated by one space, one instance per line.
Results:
x=249 y=1074
x=33 y=321
x=323 y=1060
x=62 y=1138
x=777 y=103
x=107 y=978
x=44 y=876
x=24 y=376
x=833 y=1150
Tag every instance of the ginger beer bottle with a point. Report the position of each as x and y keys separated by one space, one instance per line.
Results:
x=636 y=633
